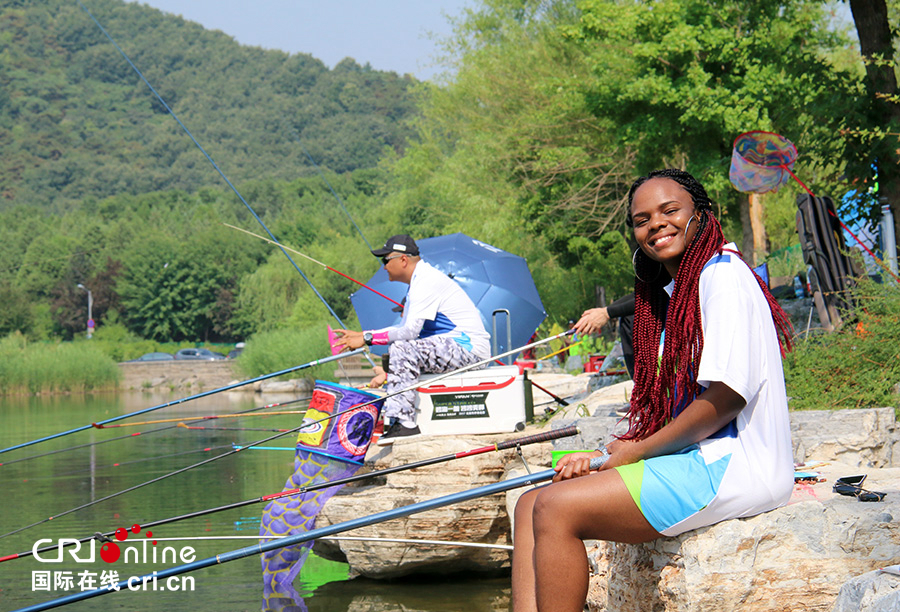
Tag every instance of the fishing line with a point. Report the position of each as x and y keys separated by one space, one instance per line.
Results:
x=210 y=159
x=516 y=443
x=185 y=399
x=144 y=433
x=182 y=420
x=333 y=192
x=321 y=532
x=315 y=261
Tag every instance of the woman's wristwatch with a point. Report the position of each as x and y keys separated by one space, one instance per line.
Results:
x=368 y=337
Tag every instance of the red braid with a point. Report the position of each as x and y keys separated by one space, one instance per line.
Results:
x=654 y=399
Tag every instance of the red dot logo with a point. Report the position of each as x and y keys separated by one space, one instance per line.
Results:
x=110 y=552
x=121 y=534
x=135 y=528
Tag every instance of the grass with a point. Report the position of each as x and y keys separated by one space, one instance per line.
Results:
x=31 y=368
x=278 y=350
x=856 y=367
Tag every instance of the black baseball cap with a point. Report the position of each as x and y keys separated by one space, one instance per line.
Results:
x=401 y=243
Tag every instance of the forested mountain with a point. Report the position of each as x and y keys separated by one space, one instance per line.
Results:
x=76 y=121
x=555 y=106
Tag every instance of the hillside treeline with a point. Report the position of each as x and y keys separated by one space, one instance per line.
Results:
x=76 y=121
x=552 y=109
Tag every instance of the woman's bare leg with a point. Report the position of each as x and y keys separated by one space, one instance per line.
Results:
x=523 y=593
x=593 y=507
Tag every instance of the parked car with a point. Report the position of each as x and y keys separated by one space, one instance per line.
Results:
x=199 y=353
x=153 y=357
x=236 y=351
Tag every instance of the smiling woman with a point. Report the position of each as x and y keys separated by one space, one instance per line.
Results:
x=708 y=438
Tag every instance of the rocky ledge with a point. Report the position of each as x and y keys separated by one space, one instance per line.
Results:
x=820 y=552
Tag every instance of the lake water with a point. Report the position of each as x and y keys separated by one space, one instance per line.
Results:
x=38 y=488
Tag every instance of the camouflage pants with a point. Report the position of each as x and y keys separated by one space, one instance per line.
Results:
x=409 y=359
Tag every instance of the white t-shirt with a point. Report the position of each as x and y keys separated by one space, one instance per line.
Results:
x=741 y=350
x=436 y=305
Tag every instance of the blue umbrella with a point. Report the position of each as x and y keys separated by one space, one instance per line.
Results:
x=497 y=281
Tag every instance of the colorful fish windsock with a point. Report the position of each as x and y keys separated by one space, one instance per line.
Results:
x=329 y=448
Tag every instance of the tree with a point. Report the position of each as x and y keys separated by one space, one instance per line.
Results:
x=876 y=42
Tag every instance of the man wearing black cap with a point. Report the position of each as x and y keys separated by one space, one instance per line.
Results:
x=440 y=331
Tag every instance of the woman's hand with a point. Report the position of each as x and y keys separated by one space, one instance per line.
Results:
x=574 y=465
x=592 y=321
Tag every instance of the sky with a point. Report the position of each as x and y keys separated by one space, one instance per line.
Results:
x=392 y=35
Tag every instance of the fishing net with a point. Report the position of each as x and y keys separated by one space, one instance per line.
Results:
x=761 y=162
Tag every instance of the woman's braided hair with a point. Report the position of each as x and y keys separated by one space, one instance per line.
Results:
x=654 y=400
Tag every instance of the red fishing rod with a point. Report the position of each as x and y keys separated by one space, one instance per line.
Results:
x=546 y=436
x=315 y=261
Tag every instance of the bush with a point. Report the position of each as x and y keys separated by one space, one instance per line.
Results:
x=53 y=368
x=272 y=351
x=856 y=367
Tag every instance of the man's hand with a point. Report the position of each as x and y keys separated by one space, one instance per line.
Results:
x=592 y=321
x=349 y=340
x=379 y=379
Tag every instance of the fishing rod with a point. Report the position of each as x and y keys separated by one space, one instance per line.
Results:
x=197 y=427
x=144 y=433
x=321 y=532
x=414 y=541
x=315 y=261
x=210 y=159
x=149 y=482
x=413 y=387
x=182 y=420
x=505 y=445
x=558 y=399
x=99 y=424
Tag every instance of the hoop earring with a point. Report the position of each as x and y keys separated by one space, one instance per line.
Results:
x=634 y=265
x=687 y=226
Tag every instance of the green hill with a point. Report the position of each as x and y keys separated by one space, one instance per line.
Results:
x=76 y=121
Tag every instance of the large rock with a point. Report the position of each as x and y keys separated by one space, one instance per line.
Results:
x=862 y=437
x=872 y=592
x=793 y=558
x=483 y=520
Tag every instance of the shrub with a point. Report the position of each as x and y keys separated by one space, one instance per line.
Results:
x=272 y=351
x=53 y=368
x=856 y=367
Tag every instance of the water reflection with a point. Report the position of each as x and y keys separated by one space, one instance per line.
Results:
x=49 y=485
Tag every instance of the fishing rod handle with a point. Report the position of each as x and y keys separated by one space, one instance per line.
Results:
x=597 y=462
x=544 y=436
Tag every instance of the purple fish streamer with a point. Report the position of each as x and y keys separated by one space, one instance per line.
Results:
x=328 y=448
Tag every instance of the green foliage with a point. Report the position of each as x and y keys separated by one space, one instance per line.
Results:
x=274 y=351
x=857 y=367
x=76 y=121
x=53 y=368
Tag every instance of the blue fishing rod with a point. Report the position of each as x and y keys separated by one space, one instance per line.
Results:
x=372 y=519
x=213 y=163
x=100 y=424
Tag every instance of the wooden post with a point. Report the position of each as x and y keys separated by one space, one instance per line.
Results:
x=758 y=229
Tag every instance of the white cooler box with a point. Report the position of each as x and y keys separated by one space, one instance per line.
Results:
x=475 y=402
